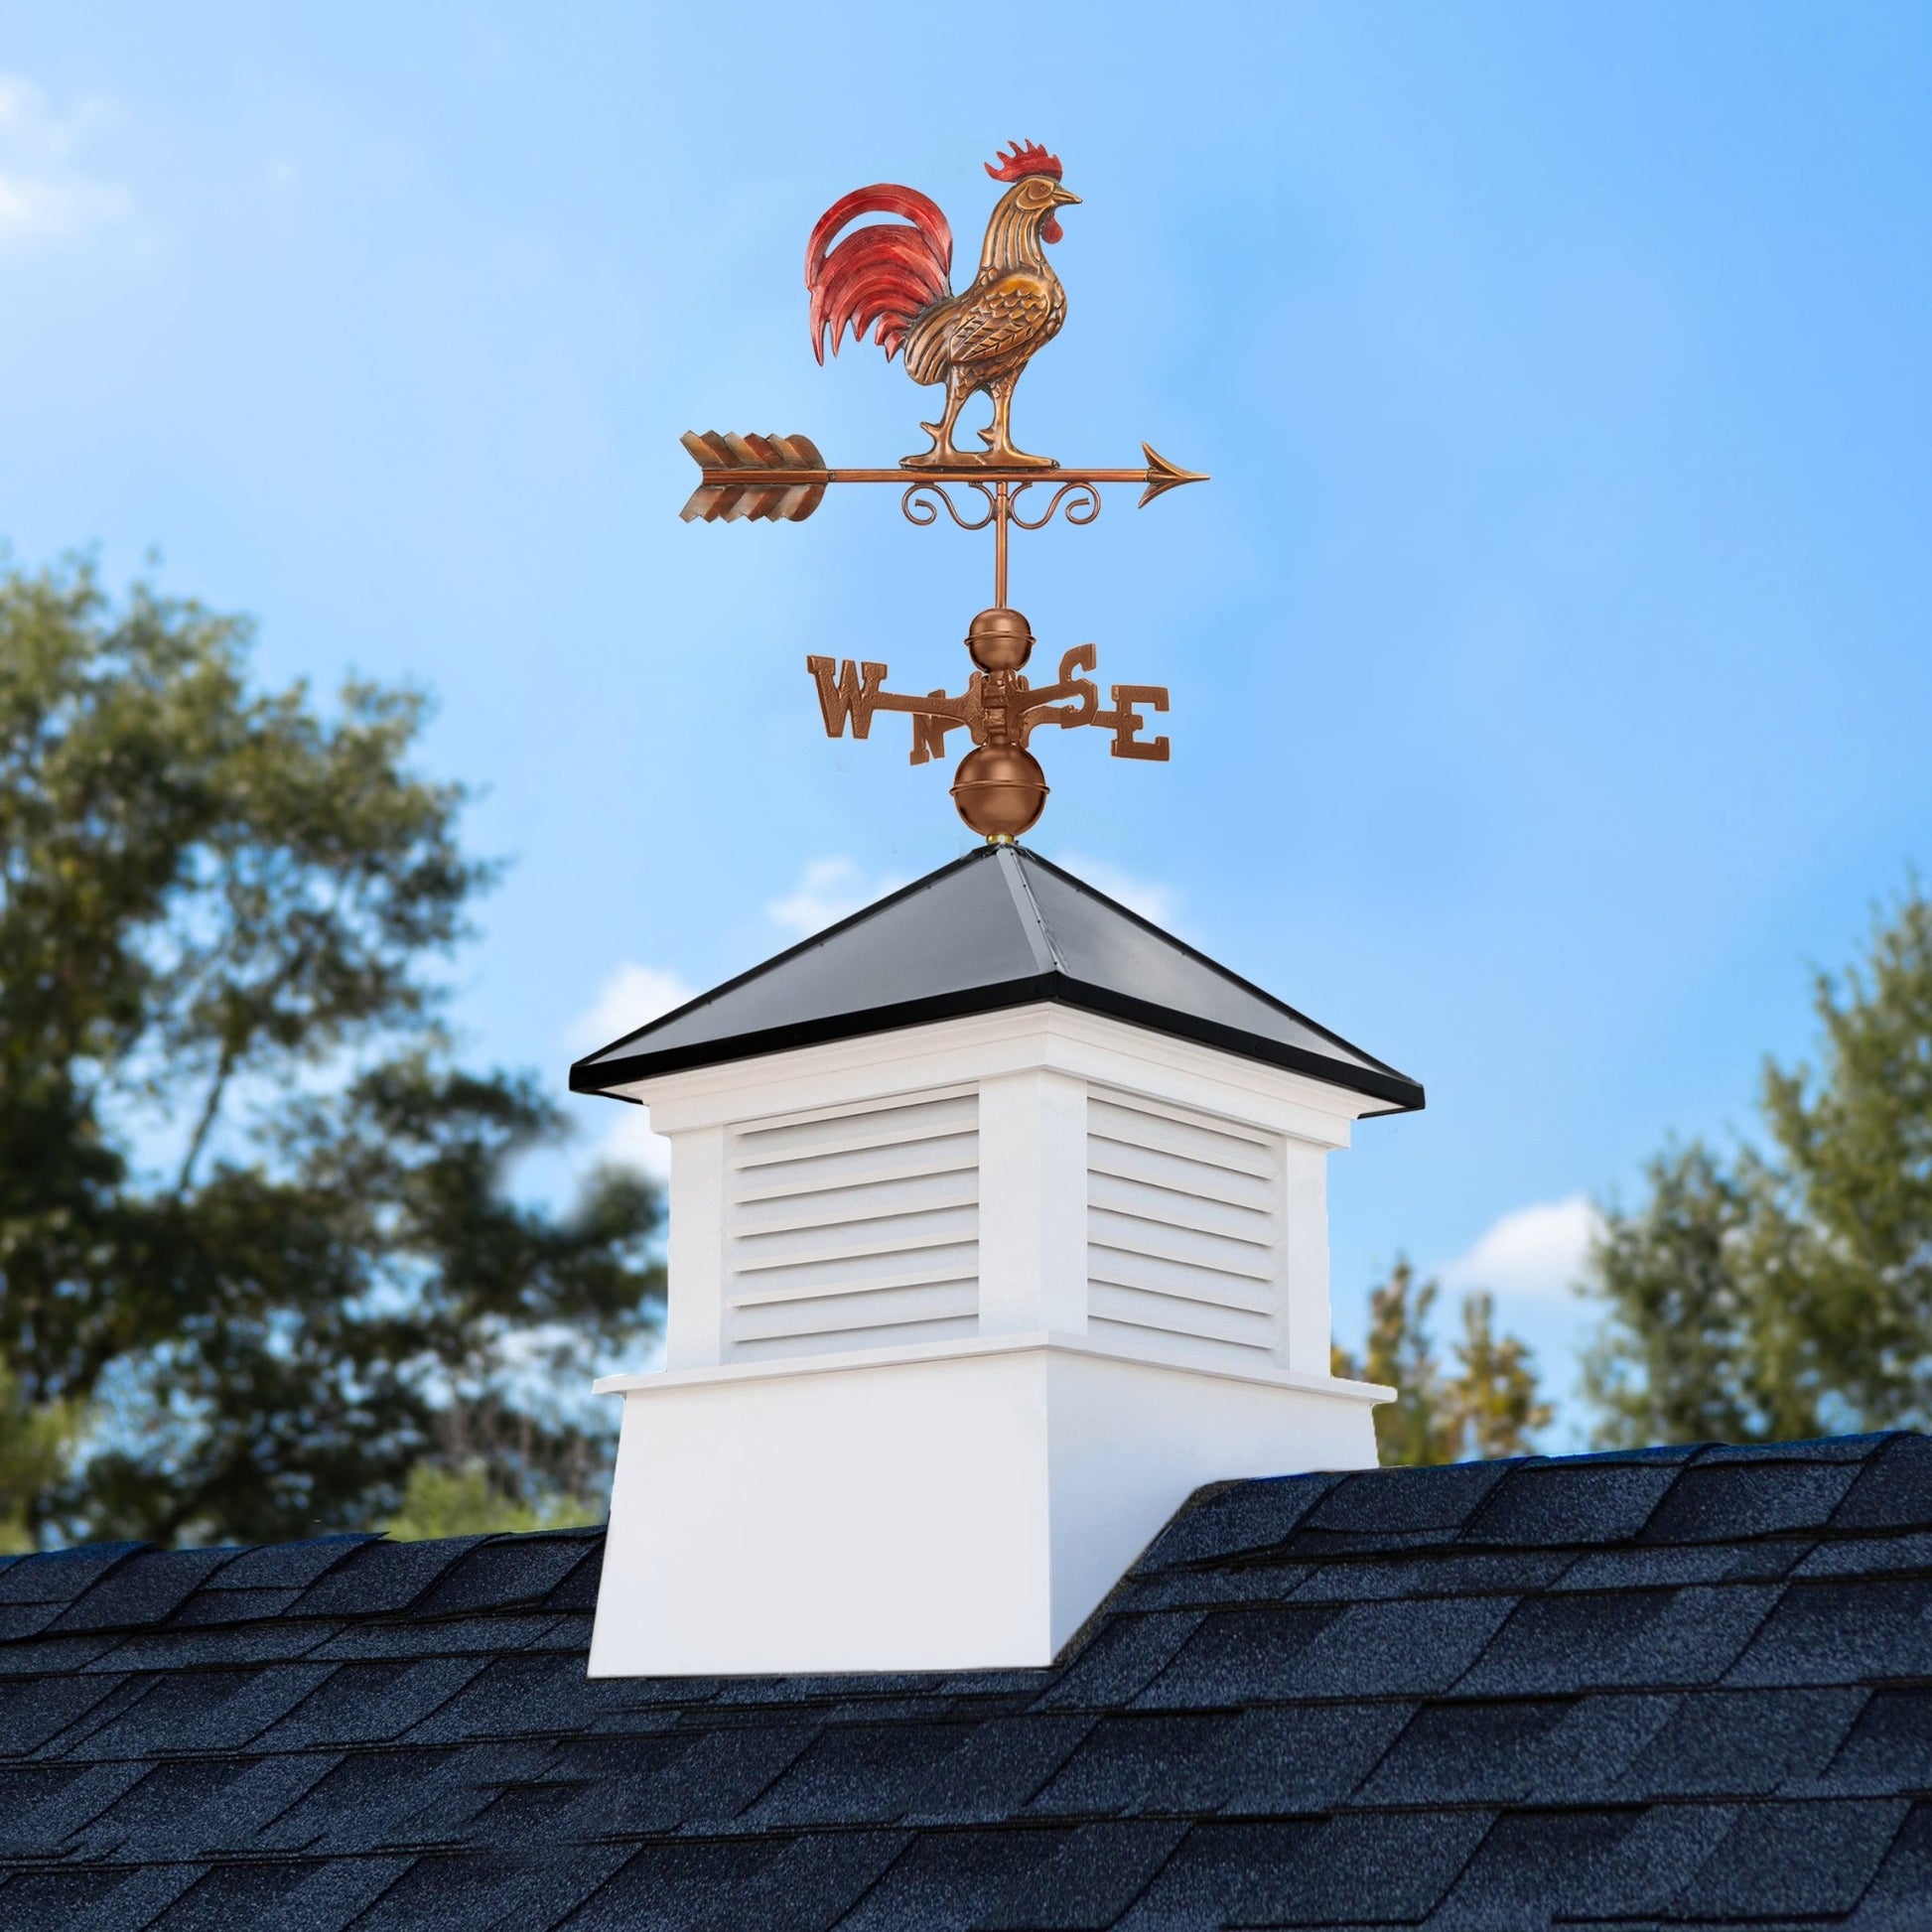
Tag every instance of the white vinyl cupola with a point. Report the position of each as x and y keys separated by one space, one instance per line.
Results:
x=998 y=1226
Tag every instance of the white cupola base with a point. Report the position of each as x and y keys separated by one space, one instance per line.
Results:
x=963 y=1307
x=951 y=1507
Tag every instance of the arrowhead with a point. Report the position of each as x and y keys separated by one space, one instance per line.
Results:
x=1163 y=475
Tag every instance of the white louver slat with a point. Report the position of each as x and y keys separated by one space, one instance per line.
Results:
x=854 y=1230
x=1184 y=1233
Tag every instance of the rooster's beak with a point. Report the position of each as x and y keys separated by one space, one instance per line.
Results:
x=1065 y=198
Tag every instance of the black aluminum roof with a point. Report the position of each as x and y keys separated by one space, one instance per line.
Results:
x=1000 y=927
x=1675 y=1687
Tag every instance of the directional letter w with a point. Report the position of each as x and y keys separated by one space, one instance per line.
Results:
x=850 y=698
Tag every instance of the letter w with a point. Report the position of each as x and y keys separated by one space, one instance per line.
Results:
x=850 y=698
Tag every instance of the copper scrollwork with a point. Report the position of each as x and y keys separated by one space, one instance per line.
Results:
x=922 y=503
x=1081 y=498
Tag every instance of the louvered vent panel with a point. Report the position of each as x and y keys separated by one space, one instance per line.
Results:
x=1184 y=1233
x=855 y=1230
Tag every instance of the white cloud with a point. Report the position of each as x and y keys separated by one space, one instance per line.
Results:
x=43 y=195
x=827 y=891
x=1538 y=1251
x=632 y=997
x=629 y=1143
x=1146 y=896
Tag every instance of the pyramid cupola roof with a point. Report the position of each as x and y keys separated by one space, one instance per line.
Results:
x=1001 y=927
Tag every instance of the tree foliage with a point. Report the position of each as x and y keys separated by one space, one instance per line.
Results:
x=1493 y=1398
x=1486 y=1405
x=1788 y=1292
x=253 y=1220
x=441 y=1500
x=34 y=1444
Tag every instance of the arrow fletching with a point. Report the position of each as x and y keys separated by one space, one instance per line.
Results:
x=779 y=479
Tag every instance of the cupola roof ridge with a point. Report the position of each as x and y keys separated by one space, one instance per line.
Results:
x=999 y=927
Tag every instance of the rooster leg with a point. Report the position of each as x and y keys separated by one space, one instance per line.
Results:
x=958 y=388
x=999 y=438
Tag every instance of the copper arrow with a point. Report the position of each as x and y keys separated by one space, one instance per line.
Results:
x=781 y=478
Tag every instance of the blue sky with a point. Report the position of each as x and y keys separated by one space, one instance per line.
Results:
x=1549 y=660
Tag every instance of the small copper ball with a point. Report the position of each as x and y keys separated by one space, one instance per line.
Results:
x=1000 y=791
x=999 y=640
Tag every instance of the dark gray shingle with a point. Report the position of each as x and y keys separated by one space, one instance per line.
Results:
x=1639 y=1689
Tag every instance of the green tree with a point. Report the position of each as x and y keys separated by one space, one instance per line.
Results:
x=443 y=1502
x=1788 y=1292
x=1492 y=1399
x=1487 y=1406
x=253 y=1221
x=34 y=1444
x=1400 y=1352
x=460 y=1491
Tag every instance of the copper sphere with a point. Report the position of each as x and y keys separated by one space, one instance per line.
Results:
x=1000 y=791
x=999 y=640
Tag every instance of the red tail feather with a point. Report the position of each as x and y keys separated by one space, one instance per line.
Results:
x=881 y=276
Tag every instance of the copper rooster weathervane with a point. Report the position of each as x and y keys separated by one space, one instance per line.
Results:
x=894 y=279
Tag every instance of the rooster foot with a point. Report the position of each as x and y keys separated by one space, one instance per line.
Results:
x=1000 y=455
x=941 y=456
x=975 y=460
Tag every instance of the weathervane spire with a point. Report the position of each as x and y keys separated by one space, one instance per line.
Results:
x=893 y=281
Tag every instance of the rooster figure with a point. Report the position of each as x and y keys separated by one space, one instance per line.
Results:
x=894 y=279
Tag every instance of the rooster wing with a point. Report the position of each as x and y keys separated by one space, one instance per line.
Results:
x=1003 y=317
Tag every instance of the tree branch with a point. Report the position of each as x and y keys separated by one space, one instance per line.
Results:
x=231 y=1055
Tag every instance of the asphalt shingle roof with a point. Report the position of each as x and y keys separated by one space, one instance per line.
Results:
x=1673 y=1688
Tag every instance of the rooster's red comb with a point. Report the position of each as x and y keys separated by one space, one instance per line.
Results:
x=1026 y=157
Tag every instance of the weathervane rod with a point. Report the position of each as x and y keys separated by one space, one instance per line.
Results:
x=1001 y=516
